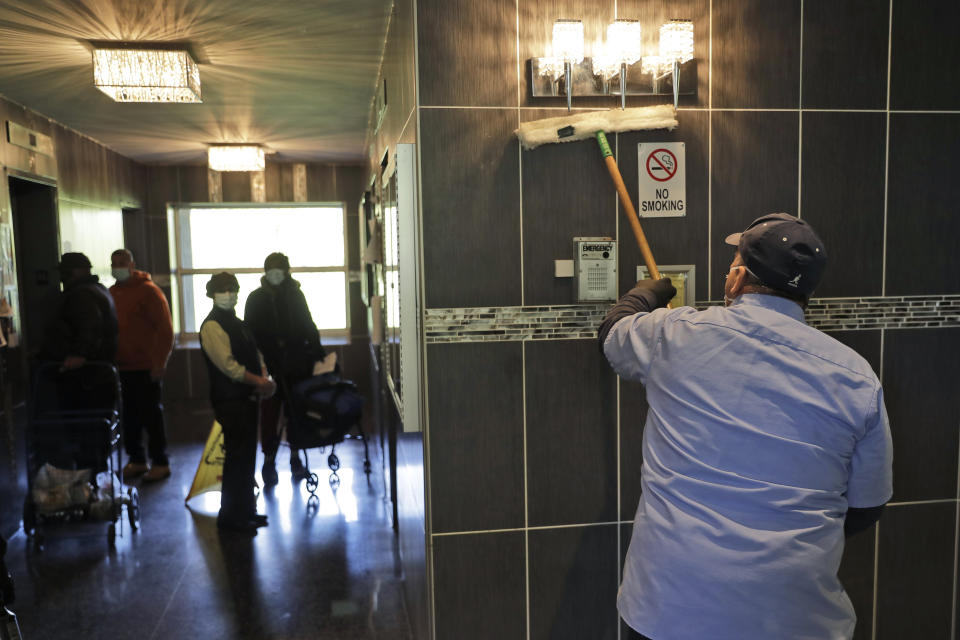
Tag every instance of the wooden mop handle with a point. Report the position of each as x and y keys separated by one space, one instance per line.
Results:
x=628 y=206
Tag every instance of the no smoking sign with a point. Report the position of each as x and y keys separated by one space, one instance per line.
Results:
x=663 y=180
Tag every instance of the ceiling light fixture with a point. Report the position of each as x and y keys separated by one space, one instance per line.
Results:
x=236 y=157
x=128 y=73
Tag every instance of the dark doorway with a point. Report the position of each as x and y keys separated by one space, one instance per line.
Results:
x=135 y=236
x=37 y=241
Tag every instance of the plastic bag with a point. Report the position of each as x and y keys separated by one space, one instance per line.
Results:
x=109 y=497
x=56 y=489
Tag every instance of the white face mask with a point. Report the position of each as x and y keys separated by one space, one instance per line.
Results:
x=226 y=301
x=120 y=273
x=275 y=276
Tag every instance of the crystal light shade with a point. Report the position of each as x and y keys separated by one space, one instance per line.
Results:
x=652 y=65
x=623 y=41
x=568 y=40
x=236 y=158
x=676 y=41
x=552 y=67
x=146 y=75
x=605 y=64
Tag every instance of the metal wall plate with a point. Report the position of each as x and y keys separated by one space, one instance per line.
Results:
x=683 y=277
x=29 y=139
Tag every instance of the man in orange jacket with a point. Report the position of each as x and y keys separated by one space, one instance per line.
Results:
x=145 y=343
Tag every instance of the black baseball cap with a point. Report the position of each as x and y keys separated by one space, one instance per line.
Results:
x=783 y=251
x=69 y=261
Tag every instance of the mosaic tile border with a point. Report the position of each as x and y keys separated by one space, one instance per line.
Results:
x=565 y=322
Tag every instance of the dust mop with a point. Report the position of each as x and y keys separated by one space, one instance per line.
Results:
x=593 y=124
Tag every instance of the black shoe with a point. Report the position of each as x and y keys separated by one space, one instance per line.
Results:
x=298 y=472
x=237 y=526
x=269 y=475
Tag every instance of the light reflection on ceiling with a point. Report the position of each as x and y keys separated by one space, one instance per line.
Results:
x=296 y=76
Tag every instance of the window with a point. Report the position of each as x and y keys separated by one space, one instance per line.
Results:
x=208 y=239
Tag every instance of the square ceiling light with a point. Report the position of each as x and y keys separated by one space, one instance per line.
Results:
x=129 y=74
x=236 y=157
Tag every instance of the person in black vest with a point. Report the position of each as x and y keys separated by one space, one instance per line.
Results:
x=278 y=315
x=238 y=379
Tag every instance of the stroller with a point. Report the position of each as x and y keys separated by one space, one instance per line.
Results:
x=74 y=420
x=325 y=408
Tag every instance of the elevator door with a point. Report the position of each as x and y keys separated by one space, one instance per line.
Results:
x=36 y=246
x=37 y=238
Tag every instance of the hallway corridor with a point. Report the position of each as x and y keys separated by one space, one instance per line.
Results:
x=329 y=574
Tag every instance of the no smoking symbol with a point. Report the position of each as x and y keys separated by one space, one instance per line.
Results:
x=661 y=165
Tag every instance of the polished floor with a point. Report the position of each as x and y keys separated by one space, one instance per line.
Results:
x=314 y=573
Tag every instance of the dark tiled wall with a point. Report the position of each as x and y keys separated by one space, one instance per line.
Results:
x=801 y=118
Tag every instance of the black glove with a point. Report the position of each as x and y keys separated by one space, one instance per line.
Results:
x=646 y=295
x=655 y=293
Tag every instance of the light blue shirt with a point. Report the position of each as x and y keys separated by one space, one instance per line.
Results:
x=761 y=431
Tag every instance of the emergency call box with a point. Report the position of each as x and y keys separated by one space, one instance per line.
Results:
x=595 y=269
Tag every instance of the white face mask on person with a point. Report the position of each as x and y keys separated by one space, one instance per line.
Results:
x=226 y=300
x=120 y=273
x=275 y=276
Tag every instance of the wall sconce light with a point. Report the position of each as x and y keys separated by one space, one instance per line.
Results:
x=623 y=48
x=676 y=48
x=236 y=157
x=620 y=55
x=567 y=49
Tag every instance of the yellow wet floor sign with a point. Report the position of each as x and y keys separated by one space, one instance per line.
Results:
x=210 y=470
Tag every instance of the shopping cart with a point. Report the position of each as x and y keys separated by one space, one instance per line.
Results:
x=325 y=409
x=74 y=453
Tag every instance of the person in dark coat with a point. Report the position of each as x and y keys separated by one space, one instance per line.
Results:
x=238 y=379
x=84 y=325
x=81 y=329
x=278 y=315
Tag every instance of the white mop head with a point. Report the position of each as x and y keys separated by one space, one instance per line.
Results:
x=585 y=125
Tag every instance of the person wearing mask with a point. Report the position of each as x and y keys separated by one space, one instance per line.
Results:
x=145 y=343
x=766 y=443
x=238 y=379
x=278 y=315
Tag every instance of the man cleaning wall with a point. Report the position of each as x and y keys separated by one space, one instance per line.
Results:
x=766 y=441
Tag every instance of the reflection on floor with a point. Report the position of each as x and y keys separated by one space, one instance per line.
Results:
x=332 y=573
